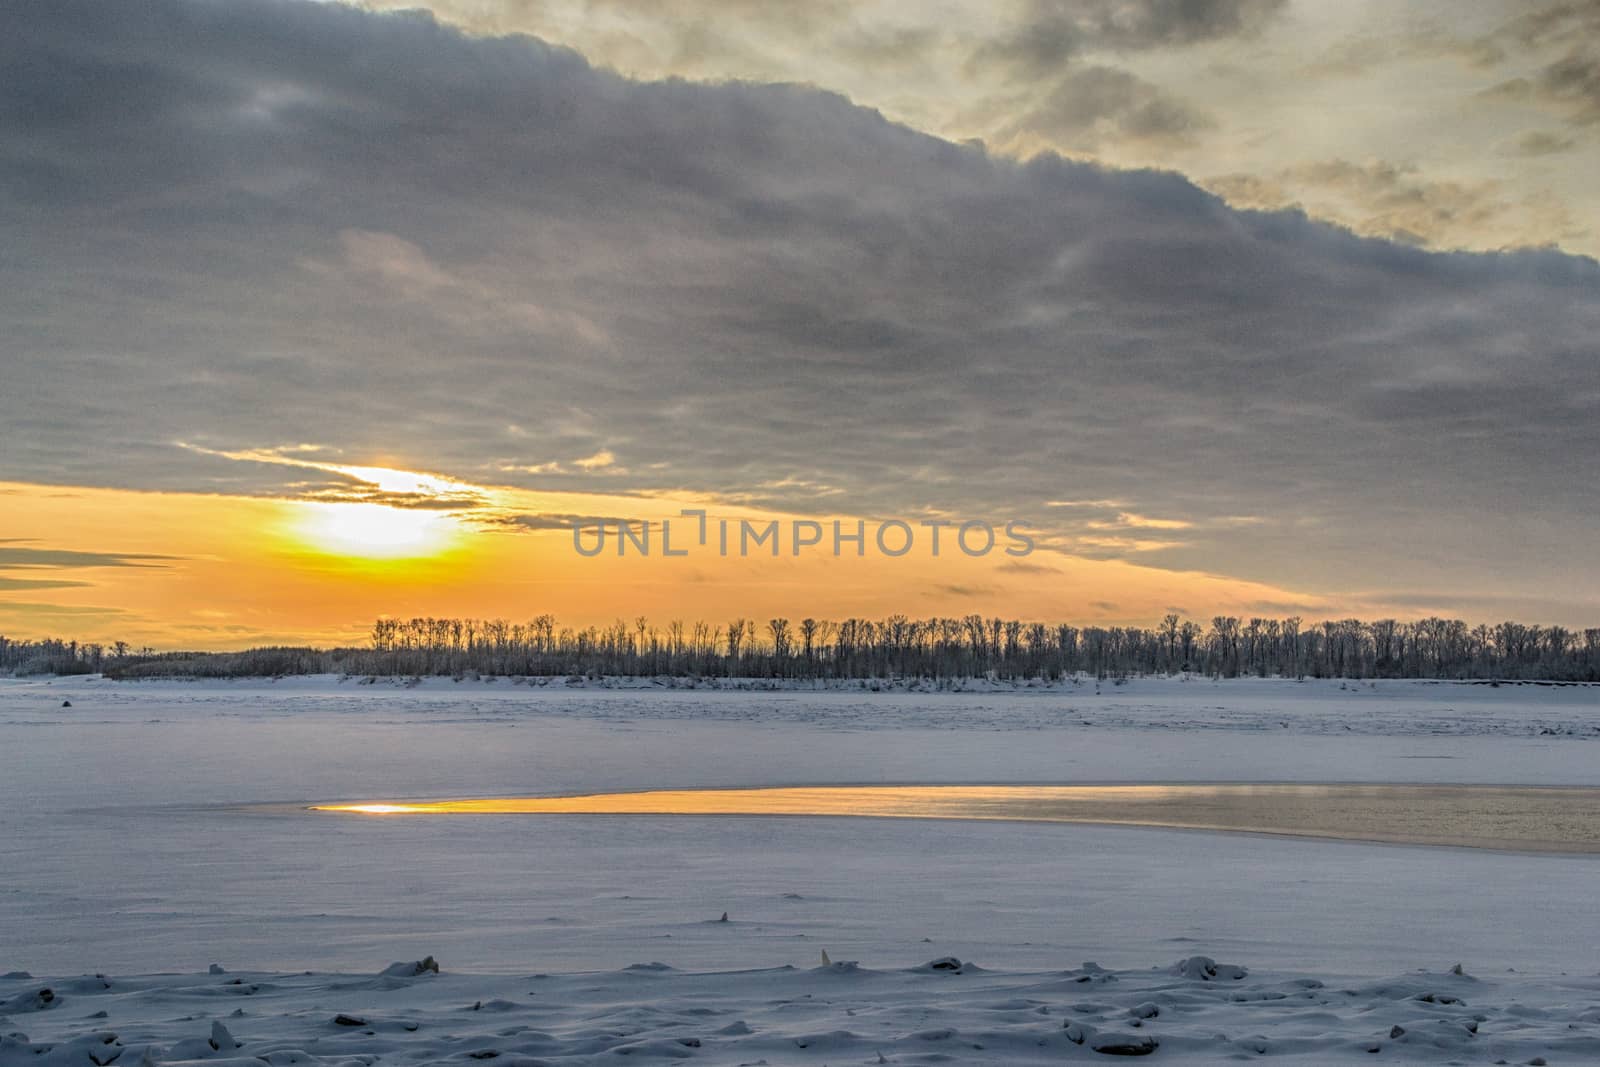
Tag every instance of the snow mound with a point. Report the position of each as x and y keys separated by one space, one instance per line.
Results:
x=1206 y=969
x=414 y=969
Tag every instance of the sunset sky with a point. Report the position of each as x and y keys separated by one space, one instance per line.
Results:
x=314 y=312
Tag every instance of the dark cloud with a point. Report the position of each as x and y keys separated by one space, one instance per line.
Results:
x=1017 y=566
x=1568 y=86
x=1150 y=23
x=1015 y=39
x=1550 y=23
x=1052 y=32
x=1536 y=143
x=1093 y=103
x=1573 y=82
x=74 y=612
x=410 y=501
x=38 y=583
x=529 y=523
x=11 y=558
x=1561 y=40
x=962 y=591
x=250 y=224
x=1532 y=26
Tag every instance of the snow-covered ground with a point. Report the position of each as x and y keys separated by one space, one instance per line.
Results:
x=1193 y=1011
x=157 y=827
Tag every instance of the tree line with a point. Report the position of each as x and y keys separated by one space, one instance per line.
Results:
x=896 y=647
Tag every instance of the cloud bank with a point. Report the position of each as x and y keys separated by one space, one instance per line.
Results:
x=250 y=224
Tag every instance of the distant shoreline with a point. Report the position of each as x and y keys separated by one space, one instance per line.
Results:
x=967 y=684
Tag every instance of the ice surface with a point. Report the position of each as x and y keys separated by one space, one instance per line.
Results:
x=130 y=843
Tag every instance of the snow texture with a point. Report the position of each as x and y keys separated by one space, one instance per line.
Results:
x=161 y=827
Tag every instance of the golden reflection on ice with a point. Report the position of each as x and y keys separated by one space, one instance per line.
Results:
x=1511 y=817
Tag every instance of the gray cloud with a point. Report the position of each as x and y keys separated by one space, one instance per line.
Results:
x=11 y=558
x=1532 y=26
x=18 y=555
x=532 y=523
x=70 y=612
x=1016 y=566
x=962 y=591
x=1566 y=77
x=1094 y=103
x=1568 y=86
x=1550 y=23
x=1534 y=143
x=412 y=501
x=1573 y=82
x=38 y=583
x=1052 y=32
x=721 y=284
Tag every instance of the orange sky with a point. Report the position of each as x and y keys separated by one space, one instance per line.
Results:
x=236 y=571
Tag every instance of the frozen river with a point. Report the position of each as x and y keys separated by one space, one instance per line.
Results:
x=154 y=826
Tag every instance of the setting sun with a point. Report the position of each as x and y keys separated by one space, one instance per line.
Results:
x=374 y=531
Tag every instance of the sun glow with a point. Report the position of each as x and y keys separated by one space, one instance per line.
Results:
x=1541 y=819
x=375 y=531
